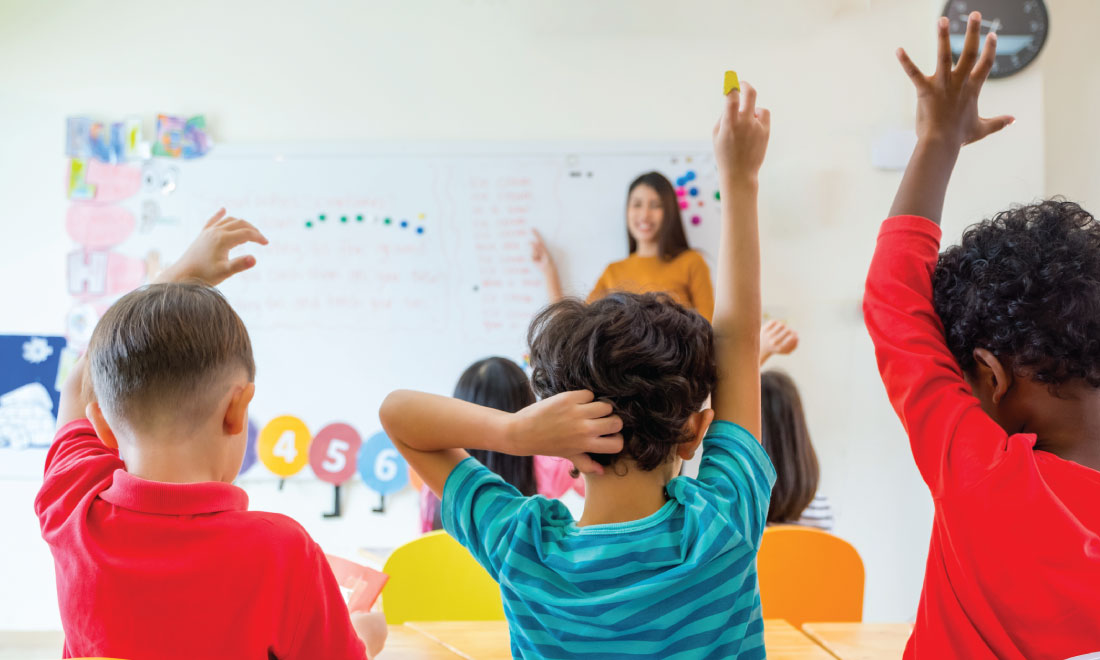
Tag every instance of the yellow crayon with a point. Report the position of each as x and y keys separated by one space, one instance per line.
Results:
x=731 y=82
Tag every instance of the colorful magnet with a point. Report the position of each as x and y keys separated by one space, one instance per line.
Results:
x=383 y=469
x=283 y=445
x=333 y=453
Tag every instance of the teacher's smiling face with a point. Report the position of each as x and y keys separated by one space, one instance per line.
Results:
x=644 y=214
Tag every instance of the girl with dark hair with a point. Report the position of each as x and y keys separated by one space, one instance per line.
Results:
x=499 y=383
x=660 y=259
x=795 y=499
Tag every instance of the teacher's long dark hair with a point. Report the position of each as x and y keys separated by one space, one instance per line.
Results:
x=671 y=241
x=499 y=383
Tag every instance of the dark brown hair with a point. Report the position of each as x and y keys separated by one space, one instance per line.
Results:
x=499 y=383
x=161 y=348
x=671 y=239
x=787 y=441
x=648 y=356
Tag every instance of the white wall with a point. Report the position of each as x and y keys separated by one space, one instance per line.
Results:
x=501 y=70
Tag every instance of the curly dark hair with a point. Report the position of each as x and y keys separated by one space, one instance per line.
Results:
x=1026 y=285
x=648 y=356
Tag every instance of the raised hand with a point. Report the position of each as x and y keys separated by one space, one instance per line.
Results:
x=542 y=258
x=776 y=338
x=207 y=258
x=947 y=101
x=947 y=118
x=741 y=136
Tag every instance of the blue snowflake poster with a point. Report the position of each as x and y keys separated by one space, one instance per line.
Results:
x=28 y=389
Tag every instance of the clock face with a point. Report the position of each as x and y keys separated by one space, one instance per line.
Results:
x=1021 y=27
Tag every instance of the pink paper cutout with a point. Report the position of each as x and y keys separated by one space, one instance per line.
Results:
x=96 y=226
x=113 y=183
x=97 y=273
x=365 y=583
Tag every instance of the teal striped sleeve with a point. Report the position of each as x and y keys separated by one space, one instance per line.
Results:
x=739 y=470
x=479 y=510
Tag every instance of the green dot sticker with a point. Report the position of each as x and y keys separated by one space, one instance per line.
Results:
x=388 y=221
x=321 y=217
x=309 y=223
x=717 y=195
x=358 y=218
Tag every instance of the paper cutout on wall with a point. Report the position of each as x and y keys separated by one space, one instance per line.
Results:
x=283 y=445
x=80 y=323
x=97 y=273
x=250 y=448
x=116 y=142
x=26 y=417
x=113 y=183
x=181 y=138
x=96 y=226
x=159 y=178
x=333 y=453
x=28 y=396
x=78 y=187
x=383 y=469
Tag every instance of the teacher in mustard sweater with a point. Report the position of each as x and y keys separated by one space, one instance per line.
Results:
x=660 y=260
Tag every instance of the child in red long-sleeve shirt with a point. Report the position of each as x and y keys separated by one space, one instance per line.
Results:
x=990 y=353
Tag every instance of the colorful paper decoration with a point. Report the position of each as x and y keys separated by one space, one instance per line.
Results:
x=333 y=453
x=283 y=445
x=381 y=467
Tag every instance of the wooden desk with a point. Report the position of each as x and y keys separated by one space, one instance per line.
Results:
x=785 y=642
x=476 y=640
x=404 y=643
x=861 y=641
x=488 y=640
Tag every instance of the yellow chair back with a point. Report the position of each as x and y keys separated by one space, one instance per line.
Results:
x=435 y=579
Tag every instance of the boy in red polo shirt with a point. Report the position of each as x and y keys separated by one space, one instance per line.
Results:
x=990 y=353
x=155 y=551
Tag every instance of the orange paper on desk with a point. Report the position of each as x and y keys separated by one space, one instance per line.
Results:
x=365 y=583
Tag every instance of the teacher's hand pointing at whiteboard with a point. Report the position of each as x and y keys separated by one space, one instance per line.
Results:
x=207 y=259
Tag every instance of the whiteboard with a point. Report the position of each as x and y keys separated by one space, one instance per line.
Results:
x=397 y=265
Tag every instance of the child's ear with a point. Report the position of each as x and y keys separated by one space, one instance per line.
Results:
x=99 y=423
x=236 y=415
x=698 y=424
x=993 y=374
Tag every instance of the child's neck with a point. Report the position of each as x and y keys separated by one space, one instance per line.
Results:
x=1068 y=426
x=179 y=460
x=624 y=493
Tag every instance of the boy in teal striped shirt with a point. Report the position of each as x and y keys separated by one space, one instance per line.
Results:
x=658 y=566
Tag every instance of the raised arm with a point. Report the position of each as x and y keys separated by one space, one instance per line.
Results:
x=433 y=432
x=206 y=260
x=922 y=378
x=740 y=142
x=947 y=118
x=545 y=263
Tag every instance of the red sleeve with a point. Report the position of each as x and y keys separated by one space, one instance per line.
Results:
x=322 y=626
x=953 y=441
x=78 y=462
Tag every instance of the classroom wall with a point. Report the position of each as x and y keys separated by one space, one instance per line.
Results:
x=569 y=69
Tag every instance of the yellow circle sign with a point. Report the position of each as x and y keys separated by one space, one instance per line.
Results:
x=283 y=445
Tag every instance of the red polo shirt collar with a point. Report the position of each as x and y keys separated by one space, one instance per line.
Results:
x=137 y=494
